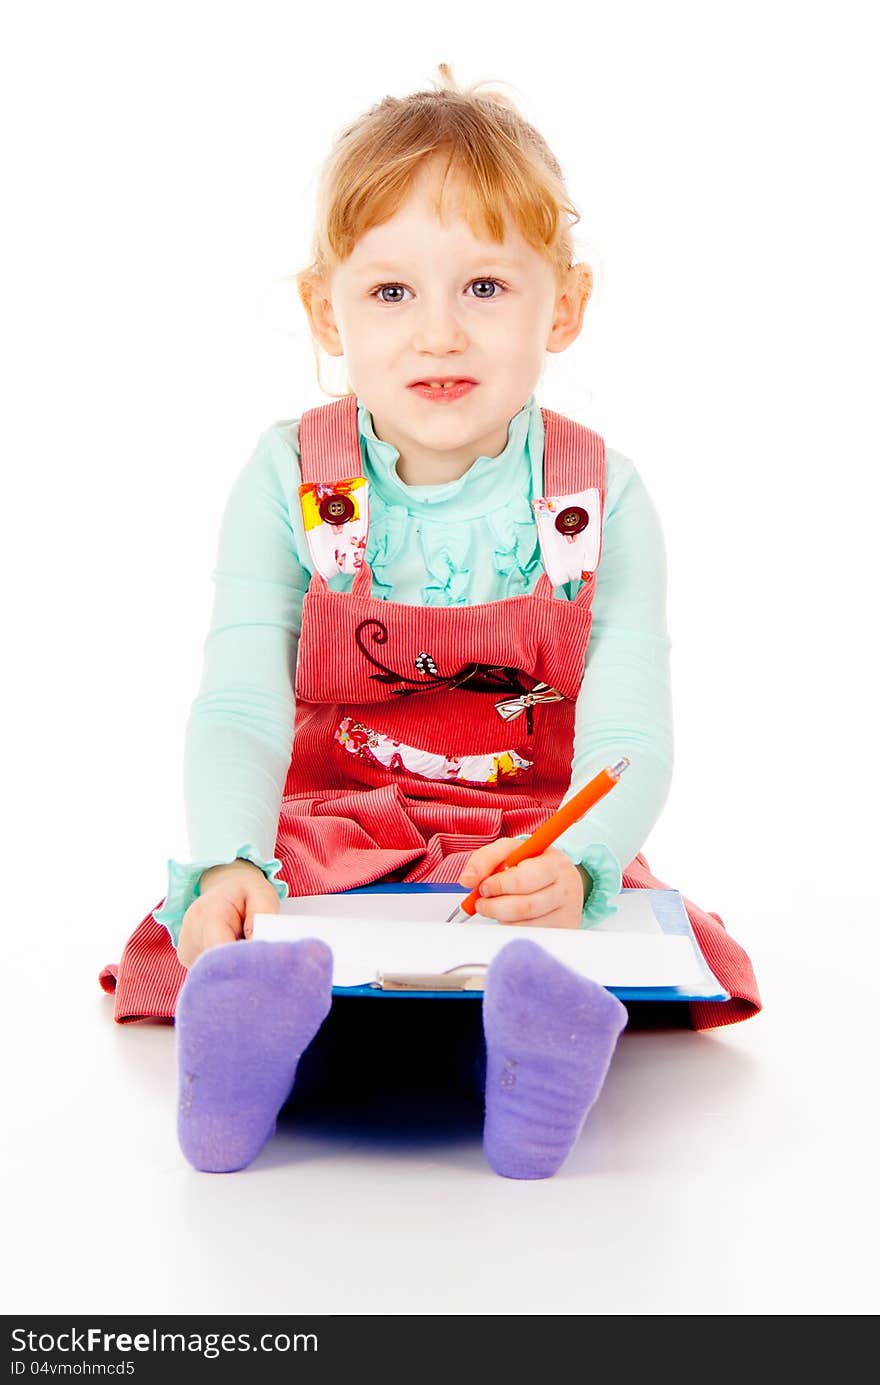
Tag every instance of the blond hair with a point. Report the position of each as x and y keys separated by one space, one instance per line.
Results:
x=503 y=163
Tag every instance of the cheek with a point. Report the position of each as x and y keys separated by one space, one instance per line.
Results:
x=380 y=344
x=520 y=336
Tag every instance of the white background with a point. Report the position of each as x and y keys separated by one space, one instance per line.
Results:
x=159 y=171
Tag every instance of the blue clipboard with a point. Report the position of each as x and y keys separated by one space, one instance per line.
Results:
x=669 y=912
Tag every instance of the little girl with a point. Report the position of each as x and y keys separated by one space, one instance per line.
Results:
x=440 y=611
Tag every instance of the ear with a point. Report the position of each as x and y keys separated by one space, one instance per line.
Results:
x=568 y=315
x=315 y=298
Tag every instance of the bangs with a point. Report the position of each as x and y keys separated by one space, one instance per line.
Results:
x=491 y=165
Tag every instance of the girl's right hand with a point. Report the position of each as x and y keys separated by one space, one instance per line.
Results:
x=223 y=912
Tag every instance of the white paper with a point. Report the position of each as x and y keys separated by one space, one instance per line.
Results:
x=634 y=912
x=373 y=933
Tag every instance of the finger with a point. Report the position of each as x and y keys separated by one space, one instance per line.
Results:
x=486 y=858
x=260 y=901
x=185 y=953
x=220 y=930
x=532 y=908
x=189 y=942
x=218 y=935
x=537 y=873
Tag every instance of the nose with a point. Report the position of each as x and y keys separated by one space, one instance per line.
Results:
x=438 y=328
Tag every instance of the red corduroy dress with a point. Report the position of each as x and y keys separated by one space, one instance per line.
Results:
x=422 y=733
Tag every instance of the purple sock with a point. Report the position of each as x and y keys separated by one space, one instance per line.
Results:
x=244 y=1015
x=550 y=1035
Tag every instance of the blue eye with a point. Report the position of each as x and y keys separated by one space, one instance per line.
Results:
x=381 y=289
x=488 y=281
x=485 y=298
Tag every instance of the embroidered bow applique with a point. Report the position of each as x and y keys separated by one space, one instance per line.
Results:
x=514 y=707
x=335 y=517
x=570 y=534
x=482 y=677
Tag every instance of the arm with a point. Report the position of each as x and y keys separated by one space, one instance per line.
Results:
x=624 y=706
x=240 y=727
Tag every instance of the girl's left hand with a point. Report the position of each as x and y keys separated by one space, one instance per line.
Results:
x=546 y=891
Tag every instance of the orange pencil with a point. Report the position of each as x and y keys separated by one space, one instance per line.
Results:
x=547 y=833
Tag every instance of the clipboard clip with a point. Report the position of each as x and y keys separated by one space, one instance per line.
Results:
x=467 y=976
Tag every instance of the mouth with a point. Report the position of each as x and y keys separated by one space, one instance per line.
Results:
x=442 y=388
x=444 y=380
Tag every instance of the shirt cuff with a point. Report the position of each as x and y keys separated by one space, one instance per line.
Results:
x=183 y=884
x=607 y=877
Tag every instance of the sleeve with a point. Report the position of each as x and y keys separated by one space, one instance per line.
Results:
x=624 y=706
x=239 y=732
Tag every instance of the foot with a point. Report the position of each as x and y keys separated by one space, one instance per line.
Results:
x=550 y=1035
x=246 y=1012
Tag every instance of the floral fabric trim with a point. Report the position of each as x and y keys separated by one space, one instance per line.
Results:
x=493 y=768
x=570 y=534
x=336 y=518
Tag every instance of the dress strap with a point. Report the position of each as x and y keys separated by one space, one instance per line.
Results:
x=329 y=446
x=574 y=456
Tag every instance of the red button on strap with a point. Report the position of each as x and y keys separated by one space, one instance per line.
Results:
x=336 y=509
x=572 y=520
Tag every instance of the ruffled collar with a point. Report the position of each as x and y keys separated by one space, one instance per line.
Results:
x=488 y=483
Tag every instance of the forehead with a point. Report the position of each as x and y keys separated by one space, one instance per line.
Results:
x=416 y=233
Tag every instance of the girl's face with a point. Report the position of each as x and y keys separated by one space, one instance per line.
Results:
x=420 y=300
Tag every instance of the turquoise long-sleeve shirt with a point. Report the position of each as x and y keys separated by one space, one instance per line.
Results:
x=465 y=541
